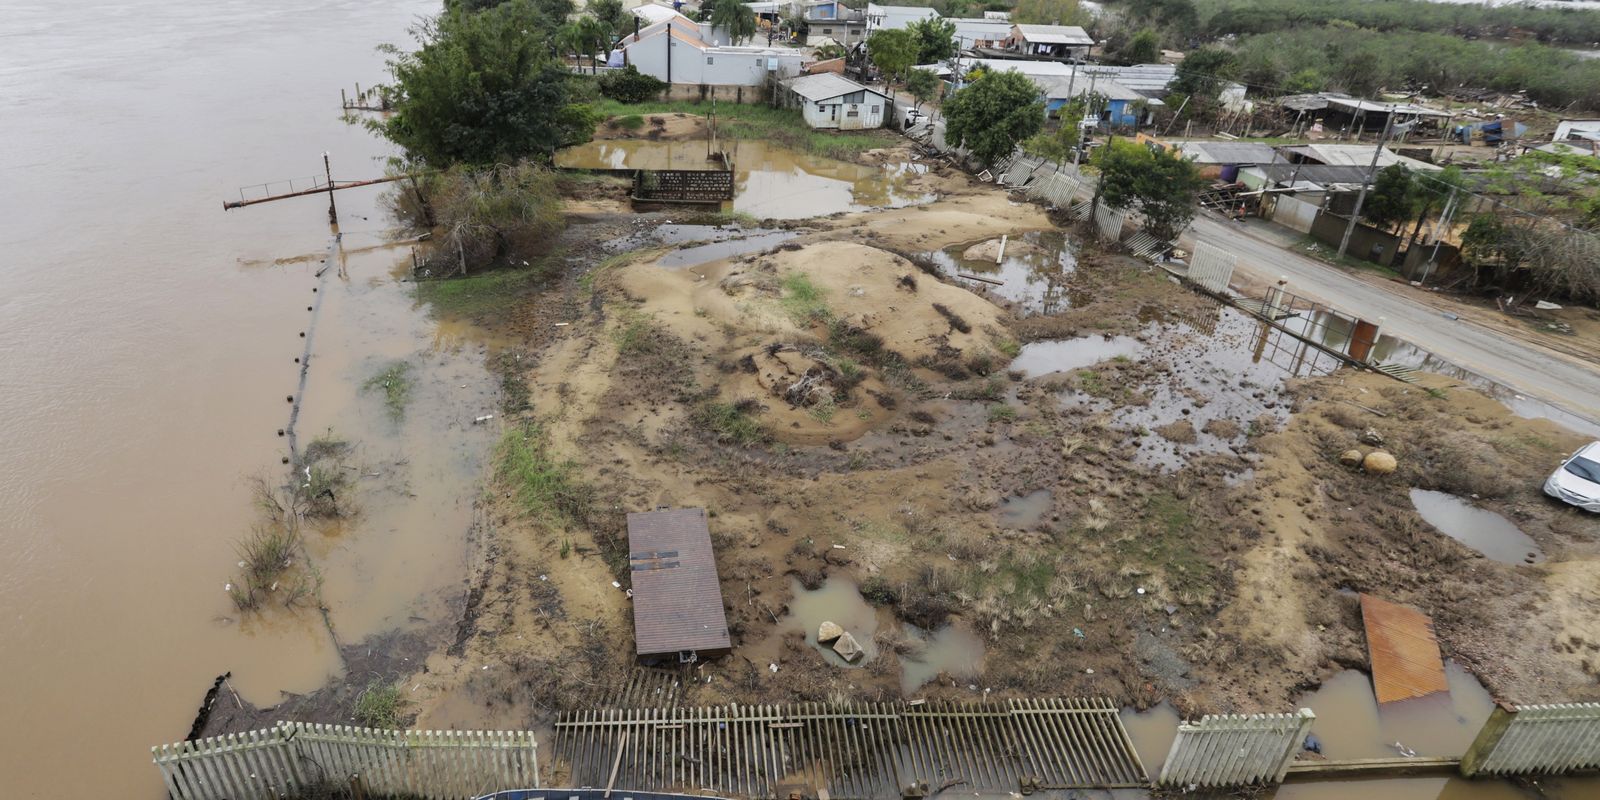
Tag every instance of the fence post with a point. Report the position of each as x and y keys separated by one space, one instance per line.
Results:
x=1293 y=748
x=1488 y=738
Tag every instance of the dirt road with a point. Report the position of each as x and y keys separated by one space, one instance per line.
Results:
x=1522 y=366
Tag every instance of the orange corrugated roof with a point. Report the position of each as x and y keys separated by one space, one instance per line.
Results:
x=1403 y=649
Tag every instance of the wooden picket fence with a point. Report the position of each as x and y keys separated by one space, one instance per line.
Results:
x=295 y=756
x=1536 y=740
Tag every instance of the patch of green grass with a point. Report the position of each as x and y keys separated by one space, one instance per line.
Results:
x=394 y=381
x=823 y=412
x=514 y=393
x=479 y=294
x=803 y=300
x=1121 y=359
x=1329 y=254
x=732 y=422
x=1166 y=542
x=630 y=122
x=1002 y=413
x=635 y=333
x=547 y=488
x=1010 y=347
x=327 y=445
x=761 y=122
x=379 y=706
x=1090 y=382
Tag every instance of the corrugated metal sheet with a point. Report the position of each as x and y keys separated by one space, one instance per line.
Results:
x=677 y=599
x=1404 y=652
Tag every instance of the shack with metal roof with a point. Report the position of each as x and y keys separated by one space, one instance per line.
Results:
x=677 y=598
x=827 y=100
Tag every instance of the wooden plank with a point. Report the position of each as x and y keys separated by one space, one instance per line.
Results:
x=1403 y=650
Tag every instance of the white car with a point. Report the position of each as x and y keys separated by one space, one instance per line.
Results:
x=1577 y=480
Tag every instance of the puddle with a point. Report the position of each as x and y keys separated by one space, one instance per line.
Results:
x=1034 y=268
x=727 y=248
x=1152 y=733
x=1484 y=531
x=1026 y=511
x=1065 y=355
x=837 y=599
x=952 y=649
x=770 y=181
x=1350 y=723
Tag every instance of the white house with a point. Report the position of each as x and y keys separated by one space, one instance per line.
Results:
x=895 y=17
x=827 y=100
x=677 y=52
x=988 y=33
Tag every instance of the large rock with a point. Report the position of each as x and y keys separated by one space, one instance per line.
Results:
x=1350 y=458
x=847 y=648
x=828 y=631
x=1372 y=437
x=1379 y=463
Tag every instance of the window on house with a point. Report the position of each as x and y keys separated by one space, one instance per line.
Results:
x=855 y=97
x=827 y=31
x=761 y=62
x=853 y=112
x=709 y=59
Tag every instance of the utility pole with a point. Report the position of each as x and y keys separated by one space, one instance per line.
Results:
x=333 y=211
x=1372 y=171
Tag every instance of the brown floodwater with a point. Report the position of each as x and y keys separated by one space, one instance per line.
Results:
x=149 y=340
x=770 y=181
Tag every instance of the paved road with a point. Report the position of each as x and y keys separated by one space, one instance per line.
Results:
x=1524 y=367
x=1521 y=366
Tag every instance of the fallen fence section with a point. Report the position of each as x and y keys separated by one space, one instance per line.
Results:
x=1108 y=221
x=295 y=757
x=1236 y=750
x=1536 y=740
x=1211 y=267
x=850 y=750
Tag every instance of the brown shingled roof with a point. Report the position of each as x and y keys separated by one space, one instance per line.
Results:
x=677 y=600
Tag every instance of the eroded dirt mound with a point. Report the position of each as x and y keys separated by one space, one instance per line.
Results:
x=654 y=127
x=807 y=395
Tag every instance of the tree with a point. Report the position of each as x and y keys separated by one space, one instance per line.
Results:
x=893 y=51
x=612 y=15
x=1392 y=198
x=1203 y=72
x=736 y=18
x=923 y=85
x=1161 y=184
x=1143 y=48
x=1060 y=144
x=586 y=36
x=629 y=85
x=483 y=88
x=1179 y=16
x=992 y=114
x=488 y=215
x=1049 y=12
x=936 y=39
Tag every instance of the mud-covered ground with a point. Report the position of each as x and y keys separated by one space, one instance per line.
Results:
x=1169 y=522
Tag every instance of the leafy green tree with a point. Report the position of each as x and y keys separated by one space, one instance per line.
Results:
x=992 y=114
x=936 y=39
x=1143 y=48
x=585 y=36
x=1392 y=198
x=1203 y=71
x=554 y=12
x=893 y=51
x=923 y=85
x=1160 y=184
x=736 y=18
x=483 y=88
x=1177 y=15
x=1049 y=12
x=612 y=15
x=629 y=85
x=1060 y=144
x=485 y=215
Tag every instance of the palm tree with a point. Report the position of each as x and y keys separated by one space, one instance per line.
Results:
x=735 y=18
x=585 y=36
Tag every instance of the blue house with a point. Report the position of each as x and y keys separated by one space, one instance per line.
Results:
x=1117 y=105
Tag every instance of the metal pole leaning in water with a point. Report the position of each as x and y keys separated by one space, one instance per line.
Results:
x=333 y=211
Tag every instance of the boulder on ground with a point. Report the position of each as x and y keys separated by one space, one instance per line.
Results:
x=1379 y=462
x=1372 y=437
x=828 y=631
x=1350 y=458
x=847 y=648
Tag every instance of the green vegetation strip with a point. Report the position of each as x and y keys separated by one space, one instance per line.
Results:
x=738 y=121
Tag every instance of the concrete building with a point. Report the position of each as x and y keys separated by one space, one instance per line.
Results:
x=1050 y=41
x=676 y=51
x=832 y=101
x=1116 y=105
x=895 y=18
x=831 y=21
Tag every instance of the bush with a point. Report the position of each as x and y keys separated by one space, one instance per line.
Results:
x=505 y=214
x=628 y=85
x=379 y=706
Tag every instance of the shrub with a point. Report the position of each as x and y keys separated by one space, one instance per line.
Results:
x=628 y=85
x=379 y=706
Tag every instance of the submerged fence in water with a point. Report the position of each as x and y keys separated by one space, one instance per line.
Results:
x=1236 y=750
x=296 y=757
x=1536 y=740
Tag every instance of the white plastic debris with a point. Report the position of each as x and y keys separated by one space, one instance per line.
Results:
x=1546 y=305
x=482 y=419
x=1140 y=590
x=616 y=585
x=772 y=667
x=1088 y=671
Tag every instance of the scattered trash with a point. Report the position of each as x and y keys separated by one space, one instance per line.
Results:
x=1088 y=671
x=544 y=577
x=1448 y=315
x=1403 y=750
x=1372 y=437
x=838 y=547
x=482 y=419
x=1546 y=305
x=616 y=585
x=562 y=324
x=1313 y=744
x=1078 y=632
x=772 y=667
x=1140 y=590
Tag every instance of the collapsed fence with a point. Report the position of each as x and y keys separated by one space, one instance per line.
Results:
x=1236 y=750
x=296 y=758
x=850 y=750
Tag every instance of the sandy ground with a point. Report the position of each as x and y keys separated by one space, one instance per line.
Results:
x=843 y=412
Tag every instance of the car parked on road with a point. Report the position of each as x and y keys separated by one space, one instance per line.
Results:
x=1577 y=480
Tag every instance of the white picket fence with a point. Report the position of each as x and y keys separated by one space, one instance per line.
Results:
x=1236 y=750
x=286 y=760
x=1109 y=221
x=1211 y=266
x=1536 y=740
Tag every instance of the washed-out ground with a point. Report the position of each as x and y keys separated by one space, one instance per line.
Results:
x=1164 y=518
